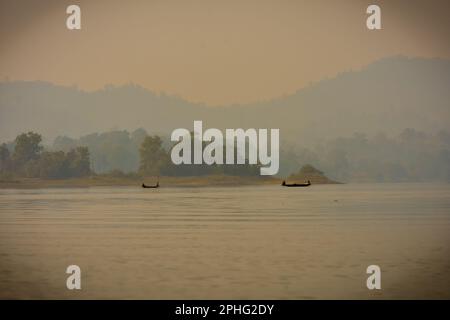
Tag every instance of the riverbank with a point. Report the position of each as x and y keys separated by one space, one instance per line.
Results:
x=96 y=181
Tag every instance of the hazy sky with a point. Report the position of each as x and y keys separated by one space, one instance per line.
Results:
x=218 y=52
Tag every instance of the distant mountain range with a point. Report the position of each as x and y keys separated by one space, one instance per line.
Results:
x=386 y=96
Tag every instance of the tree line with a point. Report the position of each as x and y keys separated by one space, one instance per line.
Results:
x=410 y=156
x=116 y=150
x=29 y=159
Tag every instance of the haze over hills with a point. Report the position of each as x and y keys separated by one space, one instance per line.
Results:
x=387 y=96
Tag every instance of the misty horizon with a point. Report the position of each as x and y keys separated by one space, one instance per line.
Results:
x=175 y=95
x=393 y=94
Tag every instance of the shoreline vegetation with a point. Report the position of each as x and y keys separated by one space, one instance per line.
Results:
x=164 y=181
x=107 y=181
x=28 y=165
x=306 y=173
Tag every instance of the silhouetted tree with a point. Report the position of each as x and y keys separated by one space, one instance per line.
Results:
x=28 y=148
x=154 y=159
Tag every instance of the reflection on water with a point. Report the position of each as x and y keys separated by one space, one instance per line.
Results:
x=243 y=242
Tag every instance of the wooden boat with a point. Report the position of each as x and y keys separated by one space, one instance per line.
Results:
x=284 y=184
x=147 y=186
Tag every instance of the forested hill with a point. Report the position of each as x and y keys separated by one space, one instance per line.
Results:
x=387 y=96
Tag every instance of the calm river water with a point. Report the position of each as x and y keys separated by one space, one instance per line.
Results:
x=230 y=242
